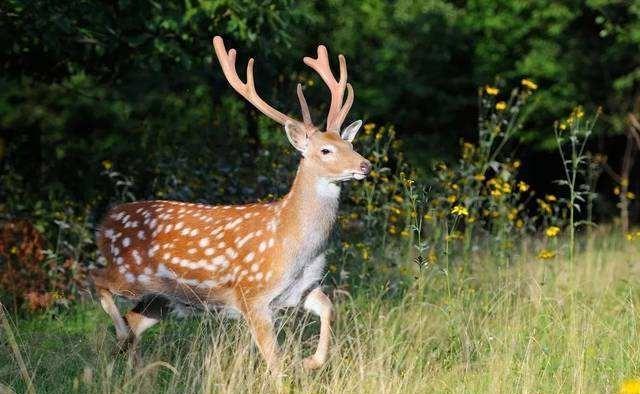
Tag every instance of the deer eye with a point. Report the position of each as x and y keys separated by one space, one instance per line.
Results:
x=325 y=151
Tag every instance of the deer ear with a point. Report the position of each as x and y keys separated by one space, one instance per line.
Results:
x=349 y=132
x=298 y=135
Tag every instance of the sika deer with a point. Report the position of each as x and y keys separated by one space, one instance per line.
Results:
x=253 y=259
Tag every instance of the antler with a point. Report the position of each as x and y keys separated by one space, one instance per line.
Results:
x=248 y=89
x=337 y=111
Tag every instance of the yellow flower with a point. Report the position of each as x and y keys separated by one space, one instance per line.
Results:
x=392 y=230
x=404 y=233
x=365 y=254
x=501 y=105
x=544 y=207
x=624 y=182
x=491 y=90
x=460 y=210
x=616 y=191
x=452 y=198
x=479 y=177
x=496 y=193
x=631 y=196
x=546 y=254
x=368 y=128
x=551 y=198
x=427 y=217
x=519 y=223
x=516 y=164
x=523 y=187
x=631 y=386
x=107 y=164
x=529 y=84
x=552 y=231
x=398 y=199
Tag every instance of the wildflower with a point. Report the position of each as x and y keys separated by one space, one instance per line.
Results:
x=365 y=254
x=624 y=182
x=631 y=196
x=452 y=198
x=368 y=128
x=107 y=164
x=517 y=163
x=552 y=231
x=471 y=219
x=398 y=199
x=404 y=233
x=392 y=230
x=631 y=386
x=460 y=210
x=522 y=187
x=479 y=177
x=551 y=198
x=577 y=113
x=496 y=193
x=546 y=254
x=519 y=223
x=544 y=207
x=616 y=191
x=491 y=90
x=529 y=84
x=427 y=217
x=501 y=105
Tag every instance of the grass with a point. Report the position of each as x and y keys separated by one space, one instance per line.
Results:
x=530 y=327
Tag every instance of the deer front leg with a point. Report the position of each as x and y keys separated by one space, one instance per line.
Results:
x=260 y=321
x=320 y=305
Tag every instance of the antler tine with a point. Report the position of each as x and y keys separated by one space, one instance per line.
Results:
x=248 y=89
x=306 y=116
x=345 y=108
x=336 y=87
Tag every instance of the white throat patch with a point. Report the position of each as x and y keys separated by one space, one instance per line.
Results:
x=327 y=189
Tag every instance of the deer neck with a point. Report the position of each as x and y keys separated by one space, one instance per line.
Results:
x=311 y=207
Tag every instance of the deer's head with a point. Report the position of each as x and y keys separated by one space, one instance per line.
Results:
x=329 y=153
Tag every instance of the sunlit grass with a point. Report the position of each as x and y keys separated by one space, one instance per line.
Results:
x=533 y=326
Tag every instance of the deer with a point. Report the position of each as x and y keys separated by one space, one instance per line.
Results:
x=248 y=260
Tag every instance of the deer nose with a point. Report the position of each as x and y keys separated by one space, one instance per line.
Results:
x=365 y=167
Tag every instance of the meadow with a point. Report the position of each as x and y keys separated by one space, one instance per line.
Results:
x=532 y=326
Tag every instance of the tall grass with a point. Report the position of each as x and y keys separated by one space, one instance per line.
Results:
x=535 y=326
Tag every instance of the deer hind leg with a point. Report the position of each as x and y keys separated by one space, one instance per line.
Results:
x=320 y=305
x=109 y=306
x=147 y=313
x=261 y=324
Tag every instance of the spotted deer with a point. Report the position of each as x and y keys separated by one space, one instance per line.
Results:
x=251 y=259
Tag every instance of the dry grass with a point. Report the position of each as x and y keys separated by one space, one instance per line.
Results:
x=531 y=327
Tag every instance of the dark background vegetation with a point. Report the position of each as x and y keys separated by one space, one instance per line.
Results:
x=133 y=87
